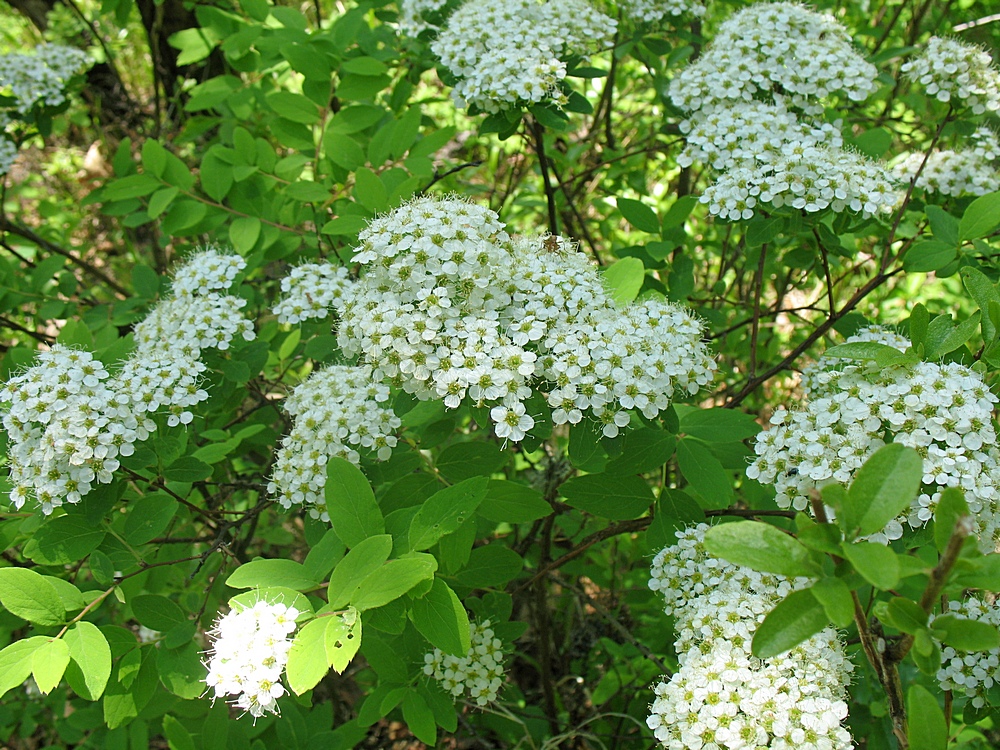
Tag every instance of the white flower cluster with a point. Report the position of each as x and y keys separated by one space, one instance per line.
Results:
x=774 y=51
x=971 y=673
x=450 y=307
x=40 y=78
x=248 y=654
x=413 y=15
x=511 y=52
x=8 y=153
x=966 y=171
x=479 y=673
x=766 y=61
x=767 y=156
x=69 y=421
x=724 y=697
x=942 y=410
x=311 y=290
x=337 y=410
x=655 y=11
x=952 y=71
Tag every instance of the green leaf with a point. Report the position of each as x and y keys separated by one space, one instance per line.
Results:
x=370 y=191
x=797 y=617
x=28 y=595
x=444 y=511
x=342 y=639
x=64 y=540
x=181 y=670
x=984 y=292
x=645 y=449
x=351 y=503
x=465 y=460
x=367 y=557
x=929 y=255
x=440 y=618
x=194 y=44
x=950 y=508
x=419 y=718
x=216 y=178
x=15 y=661
x=963 y=634
x=392 y=580
x=90 y=668
x=919 y=318
x=980 y=218
x=903 y=614
x=133 y=186
x=955 y=337
x=364 y=66
x=639 y=215
x=48 y=663
x=760 y=546
x=148 y=517
x=927 y=729
x=615 y=497
x=154 y=157
x=178 y=738
x=187 y=469
x=876 y=563
x=304 y=669
x=717 y=425
x=882 y=354
x=510 y=502
x=623 y=280
x=324 y=555
x=883 y=487
x=294 y=107
x=944 y=226
x=490 y=565
x=157 y=612
x=704 y=472
x=836 y=599
x=275 y=572
x=244 y=233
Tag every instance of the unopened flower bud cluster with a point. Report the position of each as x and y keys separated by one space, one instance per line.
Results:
x=69 y=421
x=765 y=62
x=942 y=410
x=449 y=307
x=955 y=72
x=248 y=653
x=478 y=674
x=722 y=696
x=968 y=171
x=971 y=673
x=337 y=411
x=508 y=53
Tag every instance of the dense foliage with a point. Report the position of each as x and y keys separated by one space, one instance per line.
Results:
x=511 y=375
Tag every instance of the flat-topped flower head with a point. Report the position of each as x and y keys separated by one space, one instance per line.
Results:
x=774 y=52
x=449 y=307
x=41 y=77
x=958 y=73
x=954 y=172
x=941 y=410
x=512 y=52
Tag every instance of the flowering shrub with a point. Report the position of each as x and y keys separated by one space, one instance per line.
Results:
x=526 y=374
